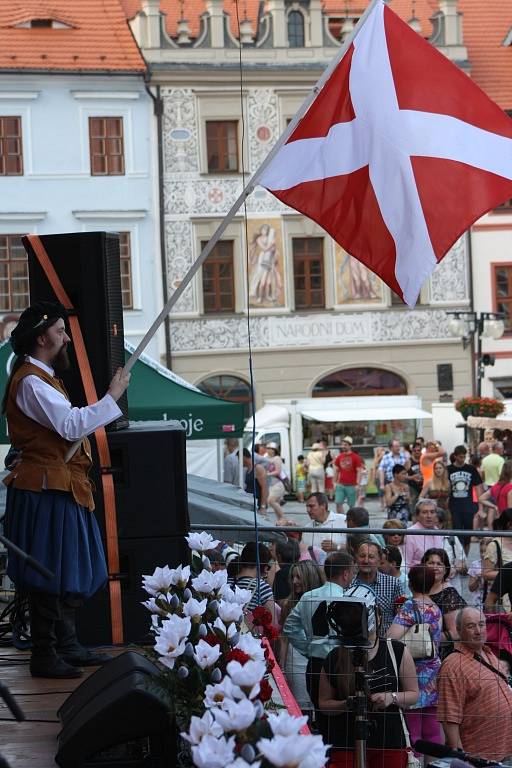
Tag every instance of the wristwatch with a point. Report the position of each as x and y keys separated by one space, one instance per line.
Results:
x=394 y=698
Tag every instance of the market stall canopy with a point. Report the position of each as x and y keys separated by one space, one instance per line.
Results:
x=367 y=414
x=156 y=393
x=503 y=421
x=375 y=408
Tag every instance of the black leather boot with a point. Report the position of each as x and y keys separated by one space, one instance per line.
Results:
x=44 y=661
x=68 y=645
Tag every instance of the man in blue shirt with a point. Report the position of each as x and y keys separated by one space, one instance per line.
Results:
x=395 y=455
x=298 y=627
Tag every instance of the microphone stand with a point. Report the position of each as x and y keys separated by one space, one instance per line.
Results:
x=27 y=559
x=5 y=694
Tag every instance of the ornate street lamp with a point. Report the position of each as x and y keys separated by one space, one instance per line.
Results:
x=477 y=325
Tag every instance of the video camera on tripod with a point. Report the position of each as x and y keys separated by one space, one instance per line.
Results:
x=353 y=620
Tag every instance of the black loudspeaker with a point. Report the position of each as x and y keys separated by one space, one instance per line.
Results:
x=149 y=468
x=125 y=664
x=87 y=264
x=115 y=706
x=137 y=557
x=445 y=377
x=150 y=483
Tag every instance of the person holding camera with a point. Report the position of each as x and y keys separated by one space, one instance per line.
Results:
x=392 y=687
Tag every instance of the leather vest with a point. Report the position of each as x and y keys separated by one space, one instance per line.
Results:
x=43 y=464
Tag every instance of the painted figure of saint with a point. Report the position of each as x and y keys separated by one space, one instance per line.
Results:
x=265 y=283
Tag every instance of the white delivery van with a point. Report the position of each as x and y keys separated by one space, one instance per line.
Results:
x=371 y=421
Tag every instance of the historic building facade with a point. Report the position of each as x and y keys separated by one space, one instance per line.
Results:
x=77 y=147
x=315 y=312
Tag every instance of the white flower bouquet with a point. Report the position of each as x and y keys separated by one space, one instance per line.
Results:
x=214 y=675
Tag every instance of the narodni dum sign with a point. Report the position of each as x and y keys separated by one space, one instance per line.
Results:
x=310 y=329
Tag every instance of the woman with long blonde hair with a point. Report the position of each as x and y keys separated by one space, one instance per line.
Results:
x=303 y=577
x=438 y=489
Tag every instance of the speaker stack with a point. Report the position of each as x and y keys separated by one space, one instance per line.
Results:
x=148 y=458
x=117 y=717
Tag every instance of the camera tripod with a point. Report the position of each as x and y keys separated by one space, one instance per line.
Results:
x=359 y=703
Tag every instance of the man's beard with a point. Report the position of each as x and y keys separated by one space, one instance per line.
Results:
x=61 y=361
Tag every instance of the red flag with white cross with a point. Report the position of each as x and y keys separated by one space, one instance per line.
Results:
x=397 y=156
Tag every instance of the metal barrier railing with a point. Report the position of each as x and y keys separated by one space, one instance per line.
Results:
x=350 y=531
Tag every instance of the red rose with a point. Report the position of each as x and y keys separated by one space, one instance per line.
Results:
x=261 y=616
x=211 y=639
x=265 y=691
x=237 y=655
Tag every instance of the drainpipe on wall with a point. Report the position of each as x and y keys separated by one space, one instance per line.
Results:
x=472 y=305
x=158 y=111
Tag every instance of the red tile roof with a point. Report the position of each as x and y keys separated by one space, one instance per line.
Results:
x=97 y=38
x=485 y=25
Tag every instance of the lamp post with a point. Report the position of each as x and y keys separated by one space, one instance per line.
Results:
x=471 y=326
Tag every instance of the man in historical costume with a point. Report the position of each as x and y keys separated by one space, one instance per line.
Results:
x=49 y=512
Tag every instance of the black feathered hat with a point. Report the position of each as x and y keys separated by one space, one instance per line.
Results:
x=34 y=321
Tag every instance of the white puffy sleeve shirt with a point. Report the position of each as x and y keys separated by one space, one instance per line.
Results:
x=46 y=405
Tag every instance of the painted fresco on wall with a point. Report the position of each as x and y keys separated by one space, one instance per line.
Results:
x=355 y=283
x=266 y=273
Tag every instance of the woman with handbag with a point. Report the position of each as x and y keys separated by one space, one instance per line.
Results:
x=394 y=686
x=444 y=596
x=418 y=624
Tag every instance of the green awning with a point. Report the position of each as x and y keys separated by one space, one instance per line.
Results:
x=156 y=393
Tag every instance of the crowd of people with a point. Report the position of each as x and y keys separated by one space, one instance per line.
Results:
x=417 y=583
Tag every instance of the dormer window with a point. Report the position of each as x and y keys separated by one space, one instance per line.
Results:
x=43 y=23
x=295 y=29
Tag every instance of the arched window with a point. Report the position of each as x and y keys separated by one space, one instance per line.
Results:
x=228 y=388
x=352 y=382
x=295 y=29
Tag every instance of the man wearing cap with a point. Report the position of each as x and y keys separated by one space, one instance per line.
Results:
x=49 y=500
x=347 y=473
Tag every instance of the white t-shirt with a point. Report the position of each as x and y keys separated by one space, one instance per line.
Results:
x=320 y=531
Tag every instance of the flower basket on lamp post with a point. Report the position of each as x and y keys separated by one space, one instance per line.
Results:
x=479 y=406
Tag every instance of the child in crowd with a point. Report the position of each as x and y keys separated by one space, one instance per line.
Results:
x=378 y=454
x=301 y=477
x=363 y=484
x=391 y=563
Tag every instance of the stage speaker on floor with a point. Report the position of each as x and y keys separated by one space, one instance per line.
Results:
x=150 y=484
x=115 y=706
x=87 y=264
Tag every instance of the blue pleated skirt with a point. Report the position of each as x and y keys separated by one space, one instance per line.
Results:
x=61 y=535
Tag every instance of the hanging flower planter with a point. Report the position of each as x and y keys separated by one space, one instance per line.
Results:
x=479 y=406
